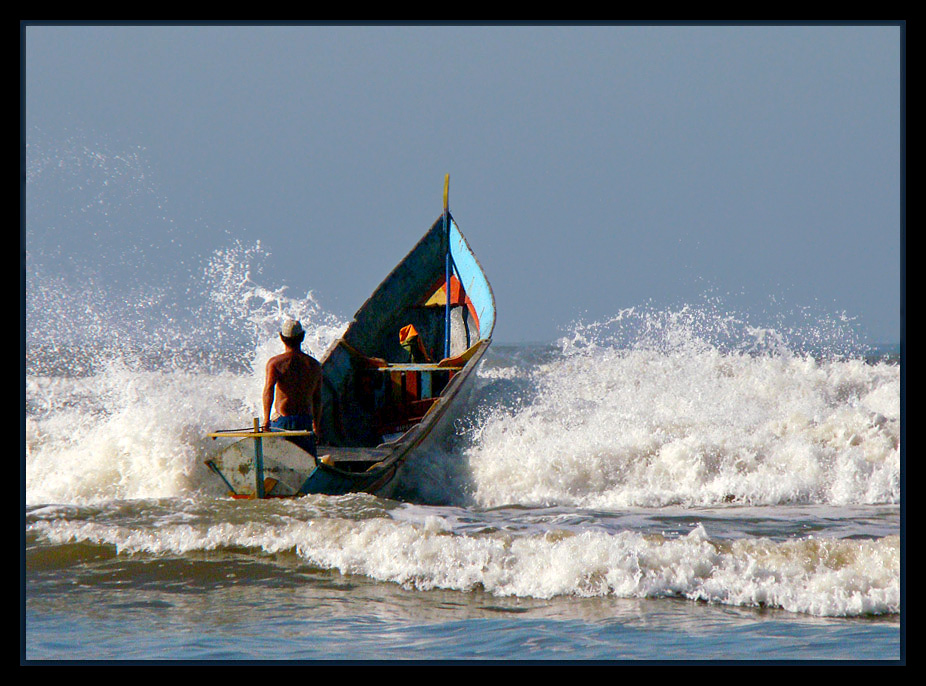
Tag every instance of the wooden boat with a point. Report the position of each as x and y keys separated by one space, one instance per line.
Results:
x=392 y=384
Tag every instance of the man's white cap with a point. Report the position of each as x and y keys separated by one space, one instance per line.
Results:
x=291 y=329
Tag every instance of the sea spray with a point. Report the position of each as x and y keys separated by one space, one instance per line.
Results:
x=137 y=345
x=116 y=415
x=105 y=262
x=698 y=409
x=247 y=308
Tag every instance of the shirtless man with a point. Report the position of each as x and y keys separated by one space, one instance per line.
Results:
x=296 y=380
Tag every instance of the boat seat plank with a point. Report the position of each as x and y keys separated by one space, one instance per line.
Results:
x=414 y=367
x=338 y=454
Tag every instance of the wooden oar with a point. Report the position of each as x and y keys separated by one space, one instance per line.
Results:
x=258 y=433
x=237 y=433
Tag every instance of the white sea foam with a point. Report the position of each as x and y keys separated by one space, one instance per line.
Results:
x=130 y=421
x=126 y=433
x=597 y=427
x=690 y=424
x=827 y=577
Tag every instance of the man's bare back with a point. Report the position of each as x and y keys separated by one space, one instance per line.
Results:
x=293 y=386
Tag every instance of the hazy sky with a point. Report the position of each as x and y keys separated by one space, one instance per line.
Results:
x=591 y=168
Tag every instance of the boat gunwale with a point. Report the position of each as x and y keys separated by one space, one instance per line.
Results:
x=415 y=435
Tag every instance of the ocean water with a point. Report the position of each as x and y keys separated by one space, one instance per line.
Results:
x=595 y=504
x=674 y=484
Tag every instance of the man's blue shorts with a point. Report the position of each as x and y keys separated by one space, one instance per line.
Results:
x=297 y=422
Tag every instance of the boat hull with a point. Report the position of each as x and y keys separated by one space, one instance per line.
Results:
x=385 y=401
x=280 y=471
